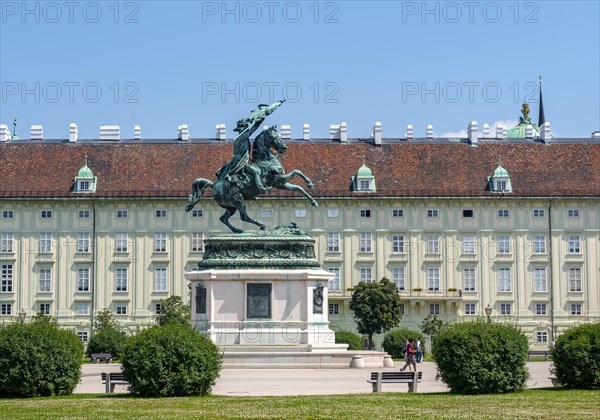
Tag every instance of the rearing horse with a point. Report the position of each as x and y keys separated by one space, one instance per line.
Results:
x=232 y=196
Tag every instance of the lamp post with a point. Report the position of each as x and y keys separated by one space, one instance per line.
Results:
x=22 y=315
x=488 y=312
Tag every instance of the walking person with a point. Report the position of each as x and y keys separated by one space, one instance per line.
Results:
x=419 y=351
x=410 y=356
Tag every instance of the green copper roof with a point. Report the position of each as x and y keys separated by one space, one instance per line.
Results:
x=500 y=172
x=85 y=172
x=520 y=130
x=364 y=172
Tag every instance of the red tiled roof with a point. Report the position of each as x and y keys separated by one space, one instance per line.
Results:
x=400 y=168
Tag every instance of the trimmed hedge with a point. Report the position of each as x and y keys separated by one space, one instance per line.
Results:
x=354 y=341
x=395 y=339
x=480 y=357
x=170 y=361
x=107 y=340
x=38 y=359
x=576 y=357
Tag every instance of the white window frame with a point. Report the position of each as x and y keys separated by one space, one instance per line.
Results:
x=157 y=308
x=197 y=242
x=333 y=213
x=503 y=242
x=121 y=242
x=301 y=213
x=160 y=242
x=365 y=242
x=83 y=279
x=45 y=308
x=121 y=279
x=504 y=280
x=433 y=279
x=399 y=278
x=397 y=244
x=160 y=213
x=468 y=245
x=433 y=244
x=539 y=213
x=365 y=213
x=541 y=337
x=433 y=213
x=469 y=279
x=334 y=309
x=8 y=214
x=539 y=244
x=46 y=214
x=470 y=309
x=83 y=214
x=7 y=278
x=83 y=242
x=576 y=309
x=540 y=279
x=364 y=185
x=541 y=309
x=434 y=309
x=266 y=213
x=334 y=283
x=575 y=281
x=6 y=309
x=505 y=309
x=121 y=309
x=574 y=244
x=197 y=213
x=366 y=274
x=7 y=242
x=397 y=213
x=83 y=336
x=122 y=214
x=45 y=245
x=160 y=279
x=333 y=241
x=45 y=280
x=573 y=213
x=503 y=214
x=83 y=309
x=85 y=185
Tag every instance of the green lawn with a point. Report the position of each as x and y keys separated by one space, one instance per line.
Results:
x=549 y=403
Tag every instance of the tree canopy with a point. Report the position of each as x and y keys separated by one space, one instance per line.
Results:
x=376 y=307
x=173 y=310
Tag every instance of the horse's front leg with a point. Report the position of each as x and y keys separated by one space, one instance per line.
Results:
x=288 y=177
x=241 y=206
x=294 y=187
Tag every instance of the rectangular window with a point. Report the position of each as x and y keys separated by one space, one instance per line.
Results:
x=576 y=309
x=397 y=213
x=504 y=280
x=364 y=184
x=121 y=309
x=402 y=309
x=541 y=337
x=433 y=244
x=365 y=213
x=197 y=213
x=467 y=214
x=160 y=214
x=7 y=242
x=539 y=213
x=84 y=214
x=433 y=279
x=333 y=242
x=574 y=244
x=197 y=242
x=366 y=239
x=398 y=244
x=500 y=185
x=365 y=275
x=468 y=245
x=574 y=279
x=433 y=213
x=434 y=309
x=45 y=243
x=503 y=213
x=469 y=279
x=157 y=308
x=503 y=244
x=539 y=280
x=334 y=309
x=266 y=213
x=122 y=214
x=539 y=244
x=160 y=242
x=121 y=242
x=83 y=280
x=505 y=308
x=540 y=309
x=334 y=283
x=573 y=213
x=6 y=309
x=45 y=308
x=301 y=213
x=333 y=213
x=120 y=279
x=469 y=309
x=7 y=278
x=45 y=280
x=160 y=279
x=83 y=335
x=8 y=214
x=84 y=185
x=83 y=242
x=398 y=278
x=83 y=309
x=46 y=214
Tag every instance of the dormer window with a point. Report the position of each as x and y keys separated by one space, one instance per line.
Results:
x=499 y=182
x=364 y=181
x=84 y=185
x=85 y=181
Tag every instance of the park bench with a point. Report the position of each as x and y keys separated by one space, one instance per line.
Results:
x=111 y=379
x=98 y=357
x=410 y=378
x=537 y=353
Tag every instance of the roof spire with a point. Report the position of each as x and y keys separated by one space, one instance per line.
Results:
x=499 y=160
x=15 y=136
x=541 y=117
x=364 y=160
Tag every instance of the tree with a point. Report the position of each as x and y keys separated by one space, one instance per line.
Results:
x=431 y=325
x=107 y=338
x=376 y=307
x=105 y=320
x=174 y=311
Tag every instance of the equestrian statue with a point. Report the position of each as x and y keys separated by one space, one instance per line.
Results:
x=253 y=171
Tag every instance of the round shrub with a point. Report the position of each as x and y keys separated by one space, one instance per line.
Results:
x=394 y=340
x=480 y=357
x=170 y=361
x=354 y=341
x=576 y=357
x=108 y=340
x=38 y=359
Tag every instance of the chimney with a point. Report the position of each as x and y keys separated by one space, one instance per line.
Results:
x=183 y=132
x=500 y=131
x=285 y=132
x=334 y=132
x=377 y=133
x=545 y=132
x=73 y=133
x=595 y=134
x=110 y=132
x=36 y=132
x=429 y=132
x=472 y=133
x=343 y=132
x=409 y=132
x=306 y=132
x=529 y=131
x=4 y=133
x=220 y=132
x=137 y=133
x=486 y=131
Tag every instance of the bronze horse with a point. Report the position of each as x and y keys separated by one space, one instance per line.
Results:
x=233 y=194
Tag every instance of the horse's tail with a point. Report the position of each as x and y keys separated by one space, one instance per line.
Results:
x=198 y=187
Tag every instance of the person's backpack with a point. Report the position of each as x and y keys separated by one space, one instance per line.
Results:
x=404 y=347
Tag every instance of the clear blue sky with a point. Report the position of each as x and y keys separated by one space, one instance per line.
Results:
x=160 y=64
